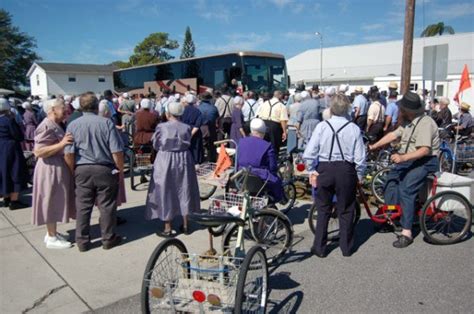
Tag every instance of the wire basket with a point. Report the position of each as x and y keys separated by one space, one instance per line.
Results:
x=220 y=205
x=175 y=280
x=143 y=161
x=205 y=169
x=465 y=153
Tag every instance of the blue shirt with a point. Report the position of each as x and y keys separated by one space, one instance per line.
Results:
x=392 y=110
x=350 y=137
x=95 y=140
x=209 y=112
x=361 y=102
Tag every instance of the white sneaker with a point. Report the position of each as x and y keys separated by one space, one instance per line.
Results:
x=57 y=243
x=59 y=235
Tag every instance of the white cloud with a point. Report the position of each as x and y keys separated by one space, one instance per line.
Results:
x=372 y=27
x=452 y=11
x=347 y=34
x=148 y=8
x=297 y=6
x=343 y=5
x=214 y=11
x=123 y=52
x=375 y=38
x=281 y=3
x=300 y=36
x=238 y=42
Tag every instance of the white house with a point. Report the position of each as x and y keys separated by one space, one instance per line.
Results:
x=48 y=79
x=379 y=63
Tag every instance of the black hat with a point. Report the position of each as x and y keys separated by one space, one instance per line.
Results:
x=315 y=87
x=108 y=93
x=411 y=102
x=300 y=87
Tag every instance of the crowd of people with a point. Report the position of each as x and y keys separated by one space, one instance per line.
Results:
x=79 y=142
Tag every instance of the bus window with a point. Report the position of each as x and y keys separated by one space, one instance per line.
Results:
x=219 y=78
x=256 y=74
x=277 y=74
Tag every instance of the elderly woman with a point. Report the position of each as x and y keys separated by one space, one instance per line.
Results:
x=53 y=185
x=192 y=117
x=30 y=122
x=174 y=188
x=145 y=123
x=237 y=128
x=258 y=154
x=13 y=176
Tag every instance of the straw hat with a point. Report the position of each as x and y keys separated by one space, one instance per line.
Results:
x=465 y=106
x=393 y=85
x=359 y=89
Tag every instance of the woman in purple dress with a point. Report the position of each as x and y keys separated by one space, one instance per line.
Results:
x=30 y=122
x=174 y=189
x=237 y=129
x=53 y=185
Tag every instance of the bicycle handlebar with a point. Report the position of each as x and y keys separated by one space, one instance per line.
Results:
x=225 y=141
x=238 y=174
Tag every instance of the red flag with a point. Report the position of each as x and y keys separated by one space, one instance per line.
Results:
x=223 y=161
x=464 y=84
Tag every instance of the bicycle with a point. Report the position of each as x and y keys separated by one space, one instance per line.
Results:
x=234 y=282
x=140 y=163
x=444 y=217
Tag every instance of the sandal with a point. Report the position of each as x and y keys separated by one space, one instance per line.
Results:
x=166 y=234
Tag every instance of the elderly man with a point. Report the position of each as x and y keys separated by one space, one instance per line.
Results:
x=275 y=115
x=361 y=106
x=443 y=117
x=307 y=117
x=337 y=148
x=465 y=120
x=127 y=109
x=249 y=109
x=225 y=106
x=96 y=160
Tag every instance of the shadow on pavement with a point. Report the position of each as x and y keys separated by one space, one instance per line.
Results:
x=290 y=304
x=298 y=215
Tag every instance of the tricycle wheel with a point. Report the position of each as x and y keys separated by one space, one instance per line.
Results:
x=333 y=226
x=446 y=218
x=166 y=265
x=252 y=286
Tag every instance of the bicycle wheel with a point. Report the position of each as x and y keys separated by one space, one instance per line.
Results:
x=206 y=190
x=446 y=218
x=290 y=193
x=378 y=184
x=167 y=264
x=383 y=160
x=333 y=226
x=445 y=162
x=252 y=287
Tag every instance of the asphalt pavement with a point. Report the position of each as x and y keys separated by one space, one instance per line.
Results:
x=377 y=278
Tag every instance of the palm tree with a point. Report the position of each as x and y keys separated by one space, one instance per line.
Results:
x=437 y=29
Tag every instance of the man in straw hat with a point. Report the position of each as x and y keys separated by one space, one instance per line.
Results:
x=416 y=158
x=361 y=106
x=465 y=120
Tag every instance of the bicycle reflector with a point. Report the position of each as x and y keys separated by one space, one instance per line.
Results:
x=199 y=296
x=300 y=167
x=214 y=300
x=157 y=293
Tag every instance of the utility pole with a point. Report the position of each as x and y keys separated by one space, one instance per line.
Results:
x=407 y=46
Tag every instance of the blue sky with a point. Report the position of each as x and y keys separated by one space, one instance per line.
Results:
x=101 y=31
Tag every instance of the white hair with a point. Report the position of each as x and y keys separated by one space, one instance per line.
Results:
x=298 y=97
x=444 y=100
x=49 y=104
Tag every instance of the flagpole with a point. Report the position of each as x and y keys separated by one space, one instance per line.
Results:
x=456 y=136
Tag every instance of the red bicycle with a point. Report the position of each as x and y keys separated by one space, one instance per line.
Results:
x=444 y=217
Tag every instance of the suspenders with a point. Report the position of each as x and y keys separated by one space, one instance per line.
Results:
x=335 y=137
x=411 y=135
x=251 y=113
x=225 y=107
x=271 y=108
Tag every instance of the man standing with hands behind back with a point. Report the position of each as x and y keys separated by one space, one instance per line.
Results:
x=96 y=160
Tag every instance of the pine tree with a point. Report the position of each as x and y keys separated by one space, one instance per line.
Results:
x=188 y=45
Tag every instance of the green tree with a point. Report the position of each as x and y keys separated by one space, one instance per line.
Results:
x=153 y=49
x=121 y=64
x=437 y=29
x=16 y=53
x=188 y=45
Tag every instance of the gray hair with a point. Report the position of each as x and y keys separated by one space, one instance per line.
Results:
x=444 y=100
x=339 y=105
x=48 y=105
x=298 y=97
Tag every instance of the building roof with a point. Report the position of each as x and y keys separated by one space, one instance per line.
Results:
x=379 y=59
x=72 y=68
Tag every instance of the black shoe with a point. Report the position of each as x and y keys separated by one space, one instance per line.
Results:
x=83 y=247
x=184 y=230
x=121 y=221
x=166 y=234
x=6 y=202
x=320 y=255
x=402 y=242
x=17 y=205
x=116 y=240
x=347 y=254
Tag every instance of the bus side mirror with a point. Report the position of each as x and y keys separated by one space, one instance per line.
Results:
x=289 y=81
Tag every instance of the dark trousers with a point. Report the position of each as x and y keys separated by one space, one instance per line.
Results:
x=246 y=128
x=274 y=135
x=95 y=184
x=224 y=128
x=404 y=183
x=336 y=178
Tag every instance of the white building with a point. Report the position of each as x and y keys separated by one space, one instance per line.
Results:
x=48 y=79
x=379 y=63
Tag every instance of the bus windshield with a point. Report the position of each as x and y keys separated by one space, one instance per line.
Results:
x=264 y=74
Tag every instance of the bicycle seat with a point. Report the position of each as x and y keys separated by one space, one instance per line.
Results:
x=205 y=219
